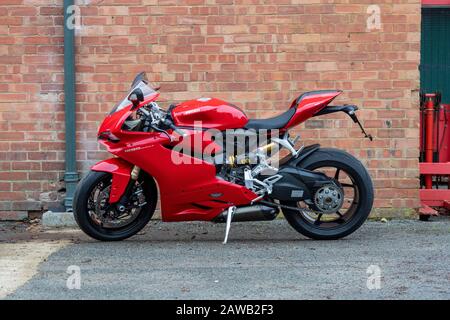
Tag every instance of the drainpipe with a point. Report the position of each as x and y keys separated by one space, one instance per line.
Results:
x=71 y=174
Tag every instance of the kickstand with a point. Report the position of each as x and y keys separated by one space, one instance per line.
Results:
x=231 y=211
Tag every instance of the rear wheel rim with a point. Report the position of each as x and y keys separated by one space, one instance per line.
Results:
x=343 y=216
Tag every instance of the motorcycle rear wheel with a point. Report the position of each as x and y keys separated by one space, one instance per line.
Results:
x=91 y=199
x=316 y=225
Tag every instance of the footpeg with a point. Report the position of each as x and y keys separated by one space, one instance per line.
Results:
x=231 y=211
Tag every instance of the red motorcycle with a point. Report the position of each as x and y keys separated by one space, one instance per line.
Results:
x=323 y=193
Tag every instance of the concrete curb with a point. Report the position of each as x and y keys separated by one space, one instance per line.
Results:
x=58 y=219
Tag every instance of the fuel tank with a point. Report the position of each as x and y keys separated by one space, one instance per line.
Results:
x=209 y=113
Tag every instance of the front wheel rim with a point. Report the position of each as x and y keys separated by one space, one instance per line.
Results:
x=102 y=215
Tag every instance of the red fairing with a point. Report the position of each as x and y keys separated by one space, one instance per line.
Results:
x=212 y=113
x=186 y=187
x=200 y=141
x=309 y=104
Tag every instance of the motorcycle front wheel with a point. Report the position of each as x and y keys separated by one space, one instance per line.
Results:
x=102 y=221
x=358 y=195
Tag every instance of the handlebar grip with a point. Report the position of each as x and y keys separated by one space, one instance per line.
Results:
x=177 y=130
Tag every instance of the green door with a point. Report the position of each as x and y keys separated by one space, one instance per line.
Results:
x=435 y=52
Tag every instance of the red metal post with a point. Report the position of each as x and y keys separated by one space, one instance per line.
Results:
x=429 y=121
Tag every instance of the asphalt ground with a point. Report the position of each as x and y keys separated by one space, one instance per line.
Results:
x=399 y=259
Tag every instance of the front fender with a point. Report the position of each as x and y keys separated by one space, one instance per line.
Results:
x=121 y=173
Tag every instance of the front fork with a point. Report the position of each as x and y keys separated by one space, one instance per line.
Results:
x=134 y=176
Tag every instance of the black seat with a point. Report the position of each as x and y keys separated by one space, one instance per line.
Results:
x=271 y=123
x=283 y=119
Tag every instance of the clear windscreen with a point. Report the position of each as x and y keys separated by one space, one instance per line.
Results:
x=140 y=82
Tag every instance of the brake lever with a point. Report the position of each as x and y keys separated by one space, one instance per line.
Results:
x=172 y=126
x=179 y=131
x=163 y=131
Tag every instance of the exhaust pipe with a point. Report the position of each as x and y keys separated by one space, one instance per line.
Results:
x=250 y=213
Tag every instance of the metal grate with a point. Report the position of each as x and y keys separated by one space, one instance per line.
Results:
x=435 y=52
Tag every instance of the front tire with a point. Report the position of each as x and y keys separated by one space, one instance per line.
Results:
x=360 y=208
x=86 y=219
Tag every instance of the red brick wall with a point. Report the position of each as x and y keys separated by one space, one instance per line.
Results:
x=31 y=104
x=258 y=54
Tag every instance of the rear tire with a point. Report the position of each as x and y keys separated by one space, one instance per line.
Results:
x=327 y=157
x=82 y=216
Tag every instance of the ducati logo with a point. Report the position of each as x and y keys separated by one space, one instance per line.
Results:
x=133 y=149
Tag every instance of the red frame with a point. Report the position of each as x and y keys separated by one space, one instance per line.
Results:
x=186 y=189
x=434 y=197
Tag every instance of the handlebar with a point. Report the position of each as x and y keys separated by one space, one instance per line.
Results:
x=177 y=130
x=168 y=122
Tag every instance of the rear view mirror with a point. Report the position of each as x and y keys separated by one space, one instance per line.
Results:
x=136 y=97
